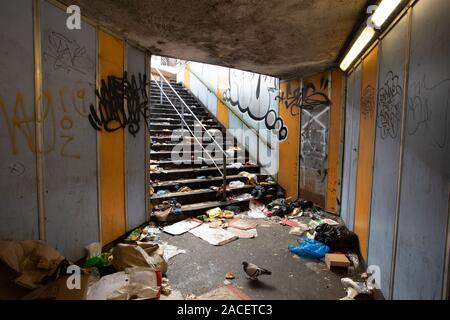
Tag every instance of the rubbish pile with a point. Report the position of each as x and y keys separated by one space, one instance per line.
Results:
x=129 y=271
x=161 y=212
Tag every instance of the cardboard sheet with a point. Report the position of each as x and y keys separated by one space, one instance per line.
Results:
x=214 y=236
x=181 y=227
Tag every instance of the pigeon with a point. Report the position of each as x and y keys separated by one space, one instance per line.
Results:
x=254 y=271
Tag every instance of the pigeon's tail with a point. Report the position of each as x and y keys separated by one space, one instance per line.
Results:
x=265 y=271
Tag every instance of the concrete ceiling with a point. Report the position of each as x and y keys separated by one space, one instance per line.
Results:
x=284 y=38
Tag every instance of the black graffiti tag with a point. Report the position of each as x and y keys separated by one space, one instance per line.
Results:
x=121 y=103
x=307 y=98
x=389 y=106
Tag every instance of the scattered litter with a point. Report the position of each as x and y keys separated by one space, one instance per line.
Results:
x=34 y=261
x=134 y=235
x=296 y=231
x=313 y=224
x=174 y=295
x=215 y=224
x=279 y=207
x=154 y=168
x=227 y=292
x=243 y=224
x=243 y=234
x=162 y=192
x=338 y=238
x=353 y=257
x=149 y=233
x=229 y=276
x=241 y=197
x=235 y=209
x=166 y=289
x=236 y=184
x=94 y=249
x=330 y=222
x=165 y=209
x=184 y=189
x=213 y=236
x=256 y=209
x=100 y=261
x=354 y=288
x=309 y=248
x=296 y=212
x=219 y=189
x=289 y=222
x=227 y=282
x=227 y=214
x=131 y=284
x=170 y=251
x=215 y=212
x=181 y=227
x=251 y=177
x=236 y=165
x=143 y=255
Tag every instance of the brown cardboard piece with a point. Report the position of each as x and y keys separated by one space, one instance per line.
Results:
x=336 y=260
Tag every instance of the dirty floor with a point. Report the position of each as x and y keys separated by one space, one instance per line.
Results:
x=203 y=267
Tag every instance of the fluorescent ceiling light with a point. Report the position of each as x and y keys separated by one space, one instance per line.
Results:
x=384 y=10
x=360 y=43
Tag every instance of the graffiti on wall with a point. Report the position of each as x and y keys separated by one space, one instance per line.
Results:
x=306 y=98
x=252 y=94
x=121 y=103
x=389 y=106
x=66 y=54
x=428 y=111
x=62 y=109
x=368 y=102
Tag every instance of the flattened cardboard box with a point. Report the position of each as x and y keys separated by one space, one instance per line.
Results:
x=336 y=260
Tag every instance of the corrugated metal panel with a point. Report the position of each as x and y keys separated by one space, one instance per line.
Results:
x=351 y=146
x=315 y=121
x=69 y=68
x=426 y=166
x=387 y=150
x=135 y=151
x=19 y=214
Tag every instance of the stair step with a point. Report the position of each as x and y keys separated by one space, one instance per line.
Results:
x=169 y=164
x=195 y=183
x=156 y=126
x=177 y=120
x=178 y=131
x=170 y=111
x=159 y=155
x=199 y=195
x=188 y=145
x=196 y=209
x=192 y=173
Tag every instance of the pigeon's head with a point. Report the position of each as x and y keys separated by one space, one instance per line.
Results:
x=245 y=264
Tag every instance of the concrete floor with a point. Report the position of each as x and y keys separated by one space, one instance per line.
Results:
x=203 y=267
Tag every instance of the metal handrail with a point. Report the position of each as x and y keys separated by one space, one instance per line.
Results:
x=223 y=172
x=232 y=111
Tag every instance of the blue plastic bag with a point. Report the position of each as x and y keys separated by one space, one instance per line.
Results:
x=309 y=248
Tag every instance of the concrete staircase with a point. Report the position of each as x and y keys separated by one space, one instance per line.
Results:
x=199 y=177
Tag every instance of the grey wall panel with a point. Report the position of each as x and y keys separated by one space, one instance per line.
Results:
x=351 y=146
x=18 y=213
x=350 y=84
x=426 y=166
x=135 y=152
x=69 y=66
x=387 y=150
